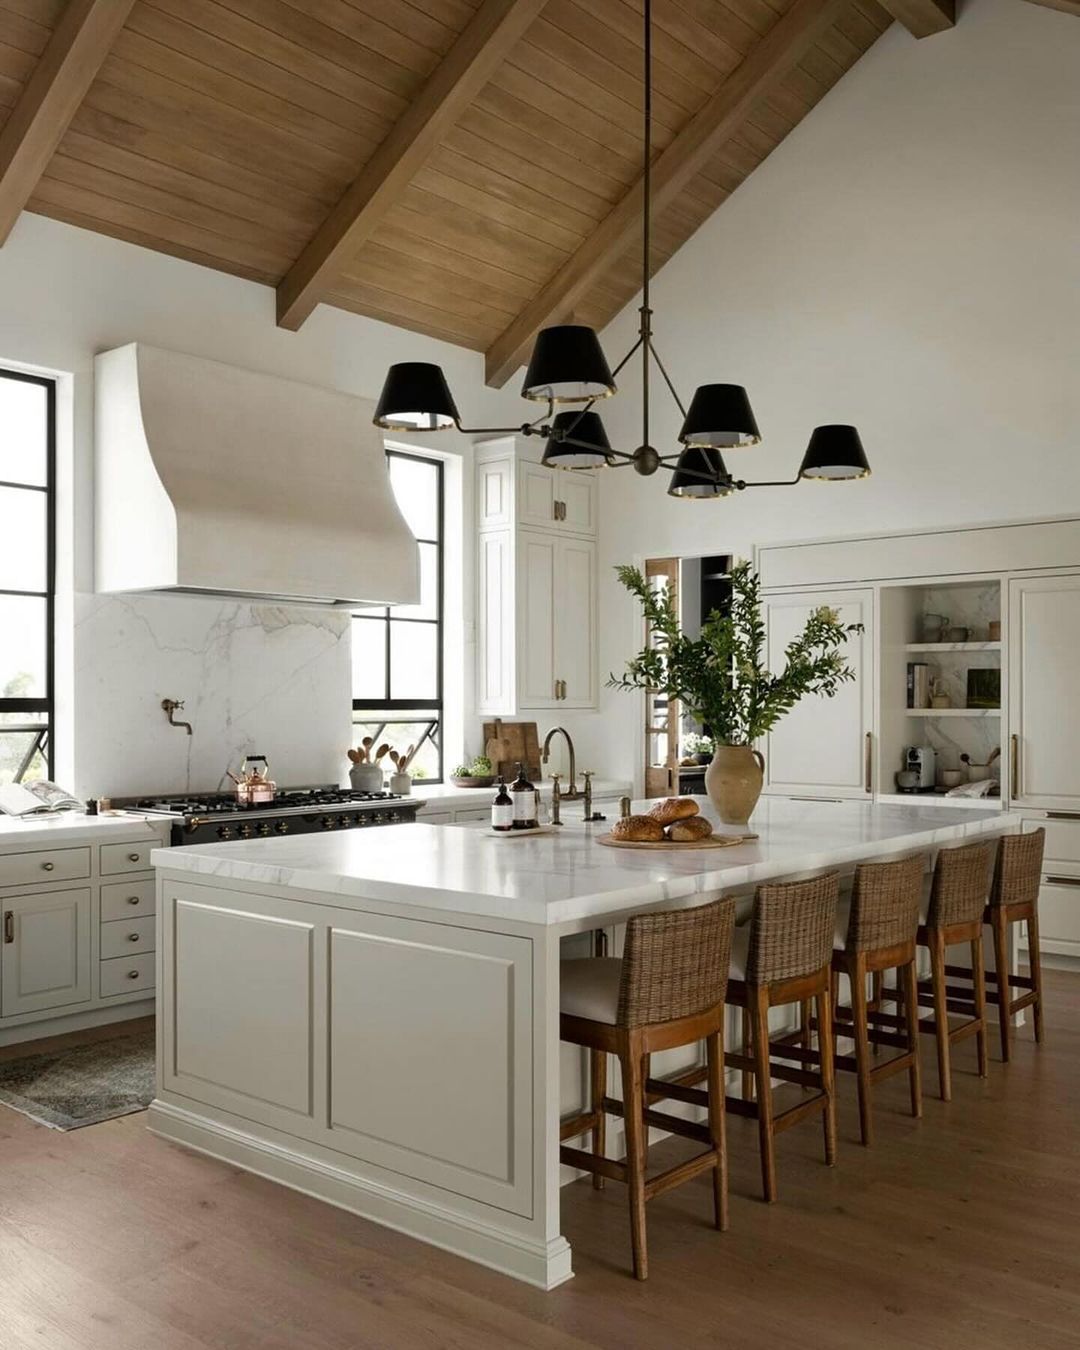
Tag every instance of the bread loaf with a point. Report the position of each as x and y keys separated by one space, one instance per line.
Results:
x=674 y=808
x=639 y=829
x=686 y=831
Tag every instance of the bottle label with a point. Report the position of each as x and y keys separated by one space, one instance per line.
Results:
x=524 y=807
x=502 y=817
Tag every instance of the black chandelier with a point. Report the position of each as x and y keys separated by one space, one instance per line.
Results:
x=568 y=367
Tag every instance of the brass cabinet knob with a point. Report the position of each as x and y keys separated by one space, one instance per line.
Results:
x=133 y=899
x=47 y=867
x=133 y=857
x=133 y=975
x=133 y=937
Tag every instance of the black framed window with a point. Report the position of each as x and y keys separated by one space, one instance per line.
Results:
x=27 y=574
x=398 y=650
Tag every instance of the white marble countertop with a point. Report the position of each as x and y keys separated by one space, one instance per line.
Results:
x=447 y=797
x=73 y=827
x=565 y=878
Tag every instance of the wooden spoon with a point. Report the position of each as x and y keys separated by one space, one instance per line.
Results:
x=382 y=750
x=365 y=746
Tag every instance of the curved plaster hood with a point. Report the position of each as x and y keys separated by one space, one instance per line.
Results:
x=221 y=481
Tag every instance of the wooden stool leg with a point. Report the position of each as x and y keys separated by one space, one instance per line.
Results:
x=999 y=925
x=806 y=1016
x=747 y=1074
x=908 y=979
x=1035 y=963
x=598 y=1076
x=941 y=1014
x=877 y=989
x=860 y=1027
x=759 y=1017
x=826 y=1049
x=633 y=1116
x=978 y=970
x=714 y=1049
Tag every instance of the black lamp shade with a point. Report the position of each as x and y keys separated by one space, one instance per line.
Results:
x=834 y=452
x=567 y=366
x=700 y=474
x=720 y=417
x=415 y=397
x=579 y=426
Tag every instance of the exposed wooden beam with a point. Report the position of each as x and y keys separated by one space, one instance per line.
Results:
x=761 y=71
x=467 y=67
x=922 y=18
x=65 y=71
x=1065 y=6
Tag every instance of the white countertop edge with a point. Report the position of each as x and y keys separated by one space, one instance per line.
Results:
x=734 y=873
x=74 y=827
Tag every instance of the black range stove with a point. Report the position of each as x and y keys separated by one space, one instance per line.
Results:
x=212 y=816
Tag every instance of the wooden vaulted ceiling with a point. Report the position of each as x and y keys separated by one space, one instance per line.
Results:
x=468 y=169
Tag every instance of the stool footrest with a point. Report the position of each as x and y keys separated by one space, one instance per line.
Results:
x=589 y=1162
x=572 y=1126
x=684 y=1171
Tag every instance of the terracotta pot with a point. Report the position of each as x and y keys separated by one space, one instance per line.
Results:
x=733 y=781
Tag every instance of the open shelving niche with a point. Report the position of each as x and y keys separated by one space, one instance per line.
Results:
x=949 y=731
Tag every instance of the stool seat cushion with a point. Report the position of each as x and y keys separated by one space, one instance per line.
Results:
x=740 y=950
x=589 y=988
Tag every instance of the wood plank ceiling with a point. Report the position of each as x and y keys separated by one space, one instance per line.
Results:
x=226 y=132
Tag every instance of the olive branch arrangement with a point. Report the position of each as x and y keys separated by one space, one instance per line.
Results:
x=720 y=677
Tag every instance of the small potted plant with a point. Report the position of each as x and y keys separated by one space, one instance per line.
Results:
x=697 y=749
x=721 y=680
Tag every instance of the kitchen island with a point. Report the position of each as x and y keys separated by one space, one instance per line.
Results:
x=372 y=1016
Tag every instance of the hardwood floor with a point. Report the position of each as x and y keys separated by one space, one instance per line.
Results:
x=959 y=1229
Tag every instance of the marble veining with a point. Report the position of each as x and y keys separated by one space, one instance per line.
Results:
x=566 y=878
x=244 y=672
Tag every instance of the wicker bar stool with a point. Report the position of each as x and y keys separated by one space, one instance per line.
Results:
x=781 y=957
x=875 y=932
x=667 y=990
x=1014 y=898
x=954 y=914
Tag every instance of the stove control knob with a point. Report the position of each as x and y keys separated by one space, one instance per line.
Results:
x=377 y=817
x=265 y=827
x=225 y=832
x=347 y=822
x=328 y=822
x=246 y=831
x=282 y=827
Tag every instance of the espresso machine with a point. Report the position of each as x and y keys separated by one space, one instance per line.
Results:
x=917 y=775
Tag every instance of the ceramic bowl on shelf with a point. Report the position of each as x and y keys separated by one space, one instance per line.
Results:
x=473 y=782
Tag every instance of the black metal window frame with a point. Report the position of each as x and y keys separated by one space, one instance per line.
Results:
x=45 y=739
x=430 y=711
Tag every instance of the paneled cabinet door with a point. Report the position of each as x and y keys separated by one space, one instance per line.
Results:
x=536 y=617
x=822 y=747
x=46 y=951
x=575 y=622
x=553 y=499
x=1044 y=655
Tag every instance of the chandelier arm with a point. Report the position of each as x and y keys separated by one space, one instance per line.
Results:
x=741 y=483
x=667 y=379
x=627 y=357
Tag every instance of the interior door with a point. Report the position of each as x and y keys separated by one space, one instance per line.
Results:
x=46 y=951
x=822 y=748
x=575 y=622
x=1044 y=654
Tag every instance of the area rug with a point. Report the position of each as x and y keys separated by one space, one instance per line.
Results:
x=83 y=1085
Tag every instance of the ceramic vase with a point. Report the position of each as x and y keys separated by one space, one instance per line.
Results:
x=733 y=781
x=366 y=778
x=401 y=784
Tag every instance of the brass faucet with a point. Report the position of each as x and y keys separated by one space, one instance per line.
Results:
x=570 y=793
x=169 y=706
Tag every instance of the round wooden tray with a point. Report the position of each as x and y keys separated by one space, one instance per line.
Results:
x=713 y=841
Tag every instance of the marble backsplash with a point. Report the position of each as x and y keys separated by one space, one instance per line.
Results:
x=267 y=679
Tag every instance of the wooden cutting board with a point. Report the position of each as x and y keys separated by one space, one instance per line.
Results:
x=713 y=841
x=508 y=744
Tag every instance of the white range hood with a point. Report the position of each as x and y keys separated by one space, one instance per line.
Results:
x=221 y=481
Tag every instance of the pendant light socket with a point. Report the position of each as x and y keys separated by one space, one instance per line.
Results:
x=415 y=397
x=578 y=426
x=720 y=417
x=835 y=452
x=700 y=475
x=567 y=365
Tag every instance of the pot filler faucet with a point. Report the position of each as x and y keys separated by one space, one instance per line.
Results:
x=571 y=793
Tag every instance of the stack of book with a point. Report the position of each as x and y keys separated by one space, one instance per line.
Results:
x=918 y=684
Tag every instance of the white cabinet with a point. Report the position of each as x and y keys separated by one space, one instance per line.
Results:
x=46 y=951
x=823 y=747
x=1044 y=655
x=536 y=569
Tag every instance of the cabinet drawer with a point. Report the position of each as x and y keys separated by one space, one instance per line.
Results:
x=127 y=974
x=1062 y=844
x=126 y=857
x=55 y=864
x=127 y=900
x=127 y=939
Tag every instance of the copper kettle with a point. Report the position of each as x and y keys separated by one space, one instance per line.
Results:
x=254 y=784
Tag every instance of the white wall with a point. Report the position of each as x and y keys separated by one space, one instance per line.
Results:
x=254 y=678
x=908 y=260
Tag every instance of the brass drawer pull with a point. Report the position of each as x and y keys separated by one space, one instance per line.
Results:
x=1061 y=881
x=134 y=857
x=1063 y=815
x=9 y=927
x=133 y=974
x=869 y=761
x=133 y=899
x=48 y=867
x=133 y=937
x=1015 y=767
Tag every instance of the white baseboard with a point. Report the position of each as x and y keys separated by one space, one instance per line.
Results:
x=78 y=1021
x=543 y=1264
